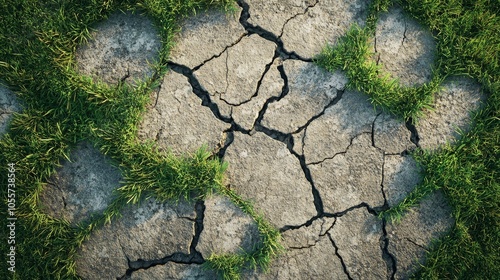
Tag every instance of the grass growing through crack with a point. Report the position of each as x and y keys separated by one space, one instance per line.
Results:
x=62 y=108
x=467 y=172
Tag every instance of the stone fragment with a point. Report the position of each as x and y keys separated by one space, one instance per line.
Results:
x=173 y=271
x=81 y=187
x=391 y=135
x=309 y=255
x=307 y=34
x=401 y=176
x=204 y=36
x=410 y=239
x=264 y=171
x=333 y=132
x=148 y=231
x=357 y=235
x=311 y=89
x=273 y=14
x=122 y=48
x=232 y=78
x=404 y=48
x=226 y=229
x=8 y=105
x=272 y=84
x=350 y=178
x=177 y=121
x=453 y=105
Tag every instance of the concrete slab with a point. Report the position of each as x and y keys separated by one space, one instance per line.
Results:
x=8 y=105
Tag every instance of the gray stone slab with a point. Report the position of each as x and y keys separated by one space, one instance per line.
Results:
x=122 y=47
x=81 y=187
x=458 y=98
x=204 y=36
x=391 y=135
x=311 y=89
x=326 y=22
x=333 y=132
x=350 y=178
x=233 y=77
x=8 y=105
x=148 y=231
x=177 y=121
x=173 y=271
x=273 y=14
x=226 y=229
x=410 y=239
x=357 y=235
x=263 y=171
x=405 y=49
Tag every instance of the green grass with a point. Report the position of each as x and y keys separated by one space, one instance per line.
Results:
x=468 y=172
x=63 y=108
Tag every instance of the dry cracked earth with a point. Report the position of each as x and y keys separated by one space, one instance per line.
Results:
x=315 y=158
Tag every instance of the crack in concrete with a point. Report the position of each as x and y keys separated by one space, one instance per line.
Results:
x=404 y=34
x=390 y=259
x=319 y=236
x=344 y=267
x=309 y=6
x=339 y=153
x=194 y=257
x=416 y=244
x=414 y=138
x=386 y=204
x=267 y=35
x=196 y=68
x=227 y=142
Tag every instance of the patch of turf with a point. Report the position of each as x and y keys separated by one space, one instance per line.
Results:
x=468 y=172
x=62 y=108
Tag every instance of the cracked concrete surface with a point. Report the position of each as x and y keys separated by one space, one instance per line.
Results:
x=8 y=105
x=316 y=159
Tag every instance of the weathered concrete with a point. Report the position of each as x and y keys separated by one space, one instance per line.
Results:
x=173 y=271
x=81 y=187
x=404 y=48
x=177 y=121
x=326 y=22
x=232 y=78
x=148 y=231
x=204 y=36
x=351 y=116
x=121 y=49
x=8 y=105
x=310 y=255
x=453 y=105
x=227 y=230
x=350 y=178
x=357 y=235
x=273 y=14
x=391 y=135
x=409 y=240
x=401 y=175
x=263 y=170
x=311 y=89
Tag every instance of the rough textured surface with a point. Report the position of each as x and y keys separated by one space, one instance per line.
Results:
x=410 y=239
x=81 y=187
x=326 y=22
x=311 y=89
x=204 y=36
x=453 y=105
x=227 y=230
x=350 y=178
x=8 y=105
x=351 y=116
x=148 y=231
x=233 y=76
x=357 y=236
x=177 y=121
x=391 y=135
x=121 y=49
x=263 y=170
x=404 y=48
x=401 y=175
x=175 y=271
